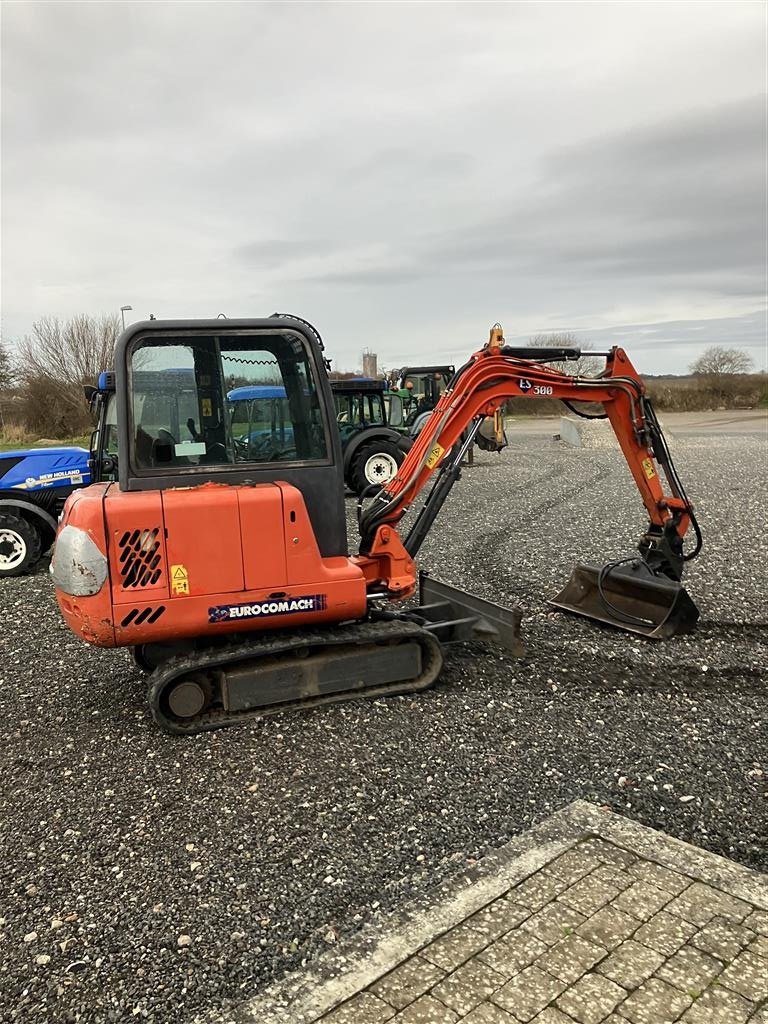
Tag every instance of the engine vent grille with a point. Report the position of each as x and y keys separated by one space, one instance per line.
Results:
x=140 y=558
x=138 y=615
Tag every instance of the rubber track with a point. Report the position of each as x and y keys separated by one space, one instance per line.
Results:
x=259 y=648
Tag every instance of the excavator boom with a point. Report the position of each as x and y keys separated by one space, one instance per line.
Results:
x=646 y=599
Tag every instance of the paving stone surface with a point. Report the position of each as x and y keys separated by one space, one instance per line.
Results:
x=591 y=999
x=528 y=993
x=631 y=964
x=747 y=974
x=488 y=1013
x=571 y=957
x=589 y=894
x=498 y=918
x=407 y=982
x=700 y=903
x=758 y=921
x=594 y=932
x=662 y=878
x=426 y=1010
x=665 y=933
x=720 y=1006
x=641 y=900
x=655 y=1002
x=468 y=986
x=551 y=1015
x=608 y=927
x=722 y=938
x=512 y=953
x=455 y=947
x=690 y=969
x=364 y=1008
x=553 y=922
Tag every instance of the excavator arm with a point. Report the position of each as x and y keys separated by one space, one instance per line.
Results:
x=492 y=375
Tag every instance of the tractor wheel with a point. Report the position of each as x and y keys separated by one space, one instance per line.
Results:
x=20 y=545
x=375 y=463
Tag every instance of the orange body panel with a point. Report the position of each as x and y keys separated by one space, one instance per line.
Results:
x=89 y=617
x=202 y=528
x=205 y=560
x=136 y=542
x=263 y=536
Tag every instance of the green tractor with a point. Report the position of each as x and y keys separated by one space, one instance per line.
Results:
x=373 y=440
x=420 y=388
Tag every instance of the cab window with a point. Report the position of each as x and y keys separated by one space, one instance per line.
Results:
x=183 y=413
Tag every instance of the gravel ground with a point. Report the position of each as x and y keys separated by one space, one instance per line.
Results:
x=148 y=877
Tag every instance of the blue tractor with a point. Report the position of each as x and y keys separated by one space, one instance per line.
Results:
x=34 y=484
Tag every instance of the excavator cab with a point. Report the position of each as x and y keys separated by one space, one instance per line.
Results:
x=176 y=424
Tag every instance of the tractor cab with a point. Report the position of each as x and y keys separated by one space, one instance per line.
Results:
x=420 y=388
x=260 y=420
x=360 y=403
x=103 y=454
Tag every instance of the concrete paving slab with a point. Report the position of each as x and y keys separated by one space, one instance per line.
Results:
x=684 y=938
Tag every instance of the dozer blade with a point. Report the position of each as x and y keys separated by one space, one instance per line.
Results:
x=629 y=597
x=453 y=615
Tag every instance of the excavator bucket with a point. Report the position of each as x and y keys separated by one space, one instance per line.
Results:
x=629 y=597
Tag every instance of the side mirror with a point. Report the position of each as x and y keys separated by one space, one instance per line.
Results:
x=89 y=390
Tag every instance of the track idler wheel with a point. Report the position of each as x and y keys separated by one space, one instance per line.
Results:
x=188 y=698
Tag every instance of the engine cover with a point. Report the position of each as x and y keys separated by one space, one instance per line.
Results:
x=197 y=561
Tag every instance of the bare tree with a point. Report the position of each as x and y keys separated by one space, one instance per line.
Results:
x=721 y=372
x=717 y=361
x=7 y=371
x=585 y=365
x=69 y=354
x=54 y=363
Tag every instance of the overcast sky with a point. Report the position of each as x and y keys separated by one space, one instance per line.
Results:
x=403 y=175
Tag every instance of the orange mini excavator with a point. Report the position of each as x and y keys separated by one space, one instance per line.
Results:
x=213 y=540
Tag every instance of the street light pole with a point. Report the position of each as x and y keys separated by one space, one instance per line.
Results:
x=123 y=311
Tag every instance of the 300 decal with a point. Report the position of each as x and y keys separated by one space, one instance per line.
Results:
x=536 y=389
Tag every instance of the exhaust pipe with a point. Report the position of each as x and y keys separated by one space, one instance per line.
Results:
x=630 y=597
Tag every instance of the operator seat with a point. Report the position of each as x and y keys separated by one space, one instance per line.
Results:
x=143 y=448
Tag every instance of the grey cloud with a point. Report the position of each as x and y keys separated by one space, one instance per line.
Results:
x=375 y=277
x=682 y=339
x=719 y=135
x=272 y=252
x=750 y=331
x=611 y=208
x=421 y=170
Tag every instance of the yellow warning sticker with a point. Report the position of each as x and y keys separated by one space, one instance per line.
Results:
x=207 y=409
x=650 y=472
x=434 y=456
x=179 y=580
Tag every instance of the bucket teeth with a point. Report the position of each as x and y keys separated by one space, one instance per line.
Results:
x=629 y=597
